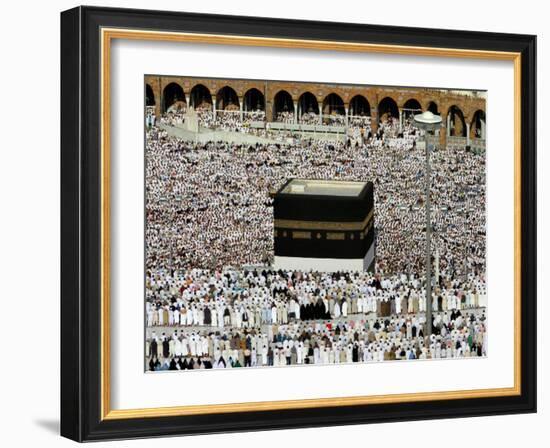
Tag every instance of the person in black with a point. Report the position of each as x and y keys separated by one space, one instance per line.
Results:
x=181 y=364
x=355 y=353
x=270 y=356
x=165 y=348
x=173 y=365
x=154 y=364
x=207 y=316
x=154 y=349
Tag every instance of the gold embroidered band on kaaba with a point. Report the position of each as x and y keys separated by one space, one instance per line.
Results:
x=305 y=235
x=323 y=225
x=301 y=235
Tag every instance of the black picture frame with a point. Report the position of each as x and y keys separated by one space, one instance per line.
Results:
x=81 y=224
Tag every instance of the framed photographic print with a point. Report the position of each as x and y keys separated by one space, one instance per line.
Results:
x=276 y=224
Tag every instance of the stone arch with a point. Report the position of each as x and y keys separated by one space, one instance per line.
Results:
x=359 y=106
x=200 y=97
x=432 y=107
x=227 y=99
x=387 y=107
x=149 y=96
x=173 y=96
x=477 y=127
x=253 y=100
x=457 y=123
x=333 y=104
x=282 y=103
x=307 y=103
x=413 y=104
x=411 y=107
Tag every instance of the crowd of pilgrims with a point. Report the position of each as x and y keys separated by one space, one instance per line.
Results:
x=456 y=334
x=243 y=299
x=229 y=120
x=234 y=120
x=285 y=117
x=209 y=213
x=309 y=118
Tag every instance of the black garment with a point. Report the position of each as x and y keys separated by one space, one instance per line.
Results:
x=303 y=312
x=355 y=354
x=319 y=310
x=154 y=365
x=154 y=348
x=207 y=316
x=310 y=311
x=165 y=348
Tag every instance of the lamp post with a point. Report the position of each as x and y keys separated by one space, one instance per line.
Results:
x=427 y=121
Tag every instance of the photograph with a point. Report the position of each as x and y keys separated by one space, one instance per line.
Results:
x=312 y=223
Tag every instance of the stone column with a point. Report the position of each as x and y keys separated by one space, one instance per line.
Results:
x=158 y=100
x=467 y=134
x=400 y=119
x=482 y=129
x=161 y=97
x=443 y=139
x=241 y=108
x=269 y=111
x=320 y=105
x=448 y=124
x=374 y=120
x=295 y=112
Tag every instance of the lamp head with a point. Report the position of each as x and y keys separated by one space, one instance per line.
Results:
x=427 y=120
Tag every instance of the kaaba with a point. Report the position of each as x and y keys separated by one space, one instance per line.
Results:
x=324 y=225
